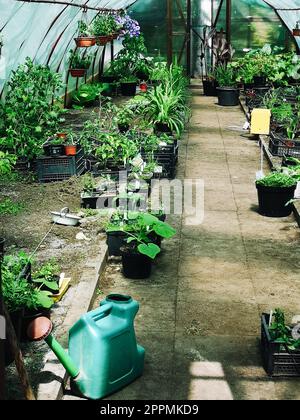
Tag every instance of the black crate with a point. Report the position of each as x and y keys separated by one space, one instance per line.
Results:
x=279 y=146
x=51 y=169
x=277 y=361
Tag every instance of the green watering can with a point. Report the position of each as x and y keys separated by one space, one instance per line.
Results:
x=103 y=354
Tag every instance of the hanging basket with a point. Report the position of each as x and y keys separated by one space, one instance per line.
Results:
x=77 y=72
x=103 y=40
x=296 y=32
x=85 y=41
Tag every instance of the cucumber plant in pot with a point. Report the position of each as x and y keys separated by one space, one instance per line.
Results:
x=142 y=245
x=228 y=93
x=275 y=192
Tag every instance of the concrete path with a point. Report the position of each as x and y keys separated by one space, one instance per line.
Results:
x=199 y=318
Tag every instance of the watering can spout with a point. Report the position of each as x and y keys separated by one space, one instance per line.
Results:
x=40 y=329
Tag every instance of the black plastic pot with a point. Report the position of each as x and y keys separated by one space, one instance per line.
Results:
x=128 y=89
x=272 y=200
x=160 y=128
x=209 y=88
x=259 y=81
x=248 y=86
x=228 y=96
x=54 y=150
x=135 y=265
x=123 y=128
x=90 y=202
x=115 y=240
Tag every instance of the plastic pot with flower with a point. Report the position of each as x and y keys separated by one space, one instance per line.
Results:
x=141 y=246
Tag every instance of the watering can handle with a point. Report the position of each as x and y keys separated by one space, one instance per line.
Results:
x=104 y=311
x=64 y=211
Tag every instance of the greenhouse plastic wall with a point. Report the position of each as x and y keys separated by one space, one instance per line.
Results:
x=254 y=23
x=44 y=32
x=290 y=17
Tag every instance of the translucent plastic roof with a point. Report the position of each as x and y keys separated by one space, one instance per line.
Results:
x=288 y=11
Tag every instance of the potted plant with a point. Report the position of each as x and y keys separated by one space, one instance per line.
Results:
x=228 y=93
x=296 y=30
x=90 y=192
x=129 y=85
x=280 y=345
x=275 y=192
x=104 y=28
x=22 y=298
x=124 y=118
x=79 y=63
x=55 y=146
x=71 y=146
x=46 y=277
x=85 y=38
x=207 y=73
x=141 y=245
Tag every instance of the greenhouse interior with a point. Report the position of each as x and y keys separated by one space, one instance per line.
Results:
x=149 y=202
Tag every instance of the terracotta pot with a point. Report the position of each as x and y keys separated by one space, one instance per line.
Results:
x=71 y=150
x=102 y=40
x=77 y=72
x=85 y=41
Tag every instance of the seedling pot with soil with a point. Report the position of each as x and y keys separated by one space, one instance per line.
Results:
x=273 y=200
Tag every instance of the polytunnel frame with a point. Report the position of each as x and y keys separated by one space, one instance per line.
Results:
x=66 y=4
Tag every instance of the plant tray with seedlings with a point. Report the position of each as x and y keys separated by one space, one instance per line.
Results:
x=278 y=359
x=280 y=146
x=60 y=168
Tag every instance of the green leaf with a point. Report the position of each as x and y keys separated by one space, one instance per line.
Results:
x=164 y=230
x=44 y=299
x=150 y=250
x=131 y=239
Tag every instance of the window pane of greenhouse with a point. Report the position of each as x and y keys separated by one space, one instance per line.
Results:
x=254 y=24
